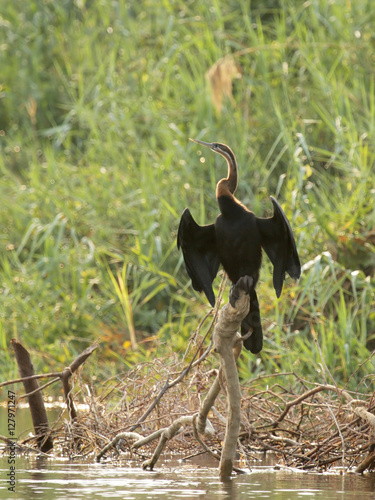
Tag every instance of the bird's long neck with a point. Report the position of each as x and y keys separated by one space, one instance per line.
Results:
x=228 y=185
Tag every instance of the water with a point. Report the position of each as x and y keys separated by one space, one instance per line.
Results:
x=51 y=478
x=47 y=479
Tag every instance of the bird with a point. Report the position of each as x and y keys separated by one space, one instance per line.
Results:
x=236 y=240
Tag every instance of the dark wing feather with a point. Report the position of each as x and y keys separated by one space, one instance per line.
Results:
x=278 y=242
x=198 y=244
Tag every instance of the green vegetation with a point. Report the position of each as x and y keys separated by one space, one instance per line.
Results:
x=97 y=102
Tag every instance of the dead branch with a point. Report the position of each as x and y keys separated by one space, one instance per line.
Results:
x=366 y=415
x=37 y=408
x=165 y=436
x=168 y=385
x=226 y=340
x=208 y=403
x=306 y=395
x=38 y=389
x=201 y=323
x=31 y=377
x=33 y=391
x=68 y=372
x=117 y=439
x=367 y=463
x=228 y=345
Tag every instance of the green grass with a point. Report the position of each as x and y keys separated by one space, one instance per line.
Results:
x=97 y=102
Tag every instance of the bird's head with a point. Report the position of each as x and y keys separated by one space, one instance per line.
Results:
x=230 y=182
x=217 y=147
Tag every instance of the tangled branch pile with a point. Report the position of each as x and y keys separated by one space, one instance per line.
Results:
x=308 y=426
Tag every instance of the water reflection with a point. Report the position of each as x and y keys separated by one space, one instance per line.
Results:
x=49 y=479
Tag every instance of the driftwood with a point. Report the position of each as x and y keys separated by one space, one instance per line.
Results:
x=228 y=344
x=34 y=391
x=369 y=461
x=35 y=398
x=68 y=372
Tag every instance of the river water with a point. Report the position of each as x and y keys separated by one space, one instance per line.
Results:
x=47 y=479
x=56 y=479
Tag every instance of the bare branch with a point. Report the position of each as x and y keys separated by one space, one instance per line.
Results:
x=228 y=345
x=306 y=395
x=31 y=377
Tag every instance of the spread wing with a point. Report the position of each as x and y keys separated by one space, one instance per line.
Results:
x=198 y=244
x=278 y=242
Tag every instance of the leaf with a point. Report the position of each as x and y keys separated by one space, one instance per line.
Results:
x=220 y=78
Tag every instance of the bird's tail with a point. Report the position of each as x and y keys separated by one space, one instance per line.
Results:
x=252 y=321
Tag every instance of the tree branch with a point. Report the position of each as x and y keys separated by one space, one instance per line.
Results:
x=228 y=344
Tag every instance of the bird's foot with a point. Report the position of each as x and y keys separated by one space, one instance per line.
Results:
x=245 y=283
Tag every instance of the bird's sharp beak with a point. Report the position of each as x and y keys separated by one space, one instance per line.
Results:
x=207 y=144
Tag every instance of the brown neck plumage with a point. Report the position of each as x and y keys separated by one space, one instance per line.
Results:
x=227 y=186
